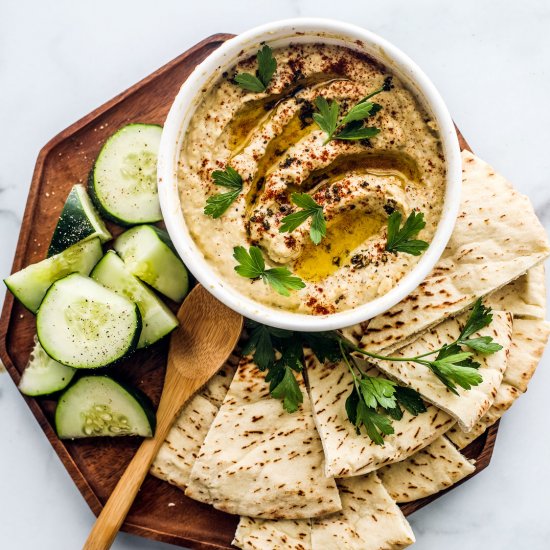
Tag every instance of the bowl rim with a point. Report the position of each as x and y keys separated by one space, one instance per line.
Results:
x=183 y=108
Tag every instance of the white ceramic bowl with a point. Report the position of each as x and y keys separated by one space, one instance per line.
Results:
x=277 y=34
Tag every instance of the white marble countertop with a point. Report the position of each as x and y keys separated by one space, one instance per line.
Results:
x=490 y=60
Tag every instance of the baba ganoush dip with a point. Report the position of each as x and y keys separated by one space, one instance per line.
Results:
x=272 y=140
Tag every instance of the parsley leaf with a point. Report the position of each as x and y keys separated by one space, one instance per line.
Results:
x=356 y=131
x=252 y=266
x=350 y=127
x=310 y=209
x=267 y=65
x=358 y=112
x=249 y=82
x=327 y=117
x=480 y=317
x=377 y=392
x=376 y=424
x=288 y=390
x=260 y=343
x=230 y=179
x=399 y=239
x=325 y=345
x=455 y=367
x=410 y=400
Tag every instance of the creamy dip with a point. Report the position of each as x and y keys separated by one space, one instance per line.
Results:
x=271 y=140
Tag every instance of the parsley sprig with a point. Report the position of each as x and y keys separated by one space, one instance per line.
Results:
x=374 y=401
x=350 y=127
x=267 y=65
x=309 y=209
x=452 y=365
x=229 y=178
x=252 y=266
x=400 y=239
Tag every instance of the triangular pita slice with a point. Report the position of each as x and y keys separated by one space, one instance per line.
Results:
x=178 y=453
x=347 y=453
x=257 y=459
x=370 y=519
x=469 y=405
x=273 y=534
x=529 y=338
x=525 y=297
x=430 y=470
x=497 y=238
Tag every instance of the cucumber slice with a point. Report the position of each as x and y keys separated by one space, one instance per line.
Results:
x=84 y=325
x=78 y=221
x=98 y=406
x=157 y=320
x=123 y=181
x=149 y=254
x=43 y=375
x=30 y=284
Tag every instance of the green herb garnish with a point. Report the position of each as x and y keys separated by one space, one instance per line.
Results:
x=373 y=401
x=267 y=65
x=350 y=127
x=310 y=209
x=400 y=238
x=252 y=266
x=230 y=179
x=452 y=365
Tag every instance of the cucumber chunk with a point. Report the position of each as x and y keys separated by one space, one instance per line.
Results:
x=43 y=375
x=98 y=406
x=123 y=180
x=78 y=221
x=84 y=325
x=149 y=254
x=30 y=284
x=157 y=319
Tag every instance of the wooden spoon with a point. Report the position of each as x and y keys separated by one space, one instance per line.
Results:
x=207 y=335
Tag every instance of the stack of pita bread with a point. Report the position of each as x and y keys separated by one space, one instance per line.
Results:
x=307 y=480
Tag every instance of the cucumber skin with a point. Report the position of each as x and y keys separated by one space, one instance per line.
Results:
x=67 y=226
x=43 y=393
x=91 y=184
x=94 y=276
x=26 y=304
x=143 y=400
x=97 y=203
x=130 y=350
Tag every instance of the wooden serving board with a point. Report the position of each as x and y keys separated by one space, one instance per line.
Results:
x=161 y=511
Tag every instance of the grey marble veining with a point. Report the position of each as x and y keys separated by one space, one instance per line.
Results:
x=490 y=60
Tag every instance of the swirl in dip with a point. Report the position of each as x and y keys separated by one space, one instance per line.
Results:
x=272 y=141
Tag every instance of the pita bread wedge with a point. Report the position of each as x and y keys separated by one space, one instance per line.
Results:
x=259 y=459
x=370 y=519
x=525 y=297
x=347 y=453
x=178 y=453
x=273 y=534
x=497 y=238
x=469 y=405
x=529 y=338
x=430 y=470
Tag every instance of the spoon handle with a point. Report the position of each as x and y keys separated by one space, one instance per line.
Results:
x=108 y=523
x=115 y=510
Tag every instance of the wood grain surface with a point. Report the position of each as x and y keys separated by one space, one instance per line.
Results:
x=161 y=511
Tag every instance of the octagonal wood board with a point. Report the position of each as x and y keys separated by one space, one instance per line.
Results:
x=161 y=511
